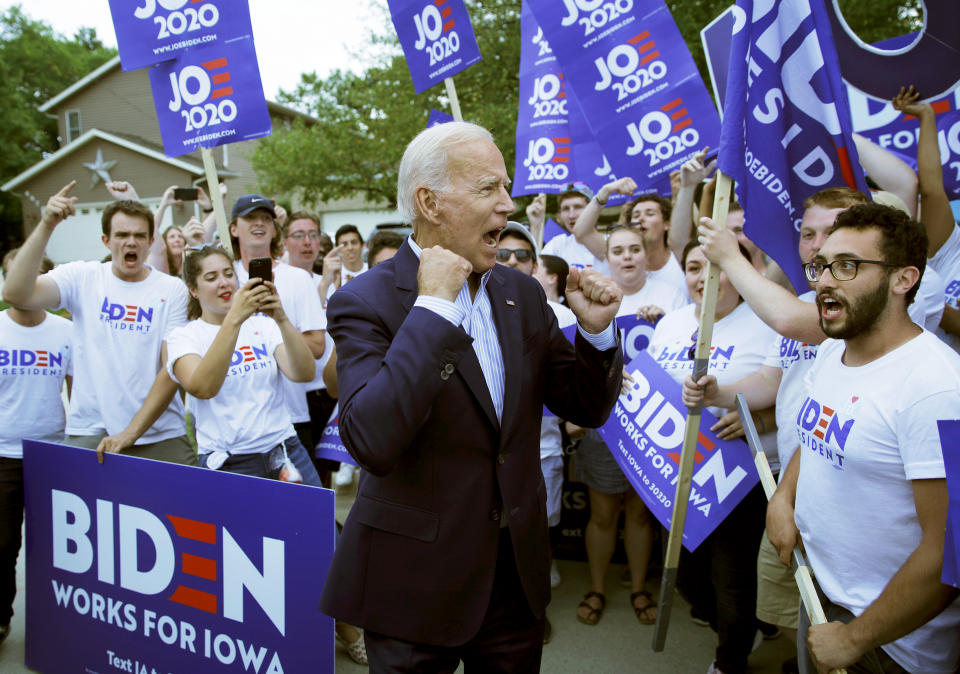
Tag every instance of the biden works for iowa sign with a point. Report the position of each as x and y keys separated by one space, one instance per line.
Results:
x=148 y=567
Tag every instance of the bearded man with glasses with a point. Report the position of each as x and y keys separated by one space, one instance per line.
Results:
x=869 y=472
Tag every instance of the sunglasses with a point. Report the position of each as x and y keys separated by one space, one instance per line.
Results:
x=523 y=255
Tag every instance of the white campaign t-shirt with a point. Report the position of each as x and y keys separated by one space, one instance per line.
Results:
x=550 y=439
x=926 y=310
x=947 y=264
x=119 y=328
x=794 y=359
x=865 y=432
x=574 y=253
x=33 y=363
x=740 y=343
x=301 y=303
x=672 y=274
x=656 y=293
x=248 y=415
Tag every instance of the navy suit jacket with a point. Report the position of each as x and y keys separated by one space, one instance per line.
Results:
x=417 y=555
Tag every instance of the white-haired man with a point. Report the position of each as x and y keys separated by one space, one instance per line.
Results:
x=446 y=422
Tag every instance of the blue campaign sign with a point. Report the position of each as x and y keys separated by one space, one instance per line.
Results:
x=438 y=117
x=786 y=124
x=635 y=335
x=636 y=82
x=331 y=447
x=950 y=445
x=145 y=566
x=153 y=31
x=645 y=435
x=556 y=145
x=209 y=97
x=716 y=38
x=437 y=39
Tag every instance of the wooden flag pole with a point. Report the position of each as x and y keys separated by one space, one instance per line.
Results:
x=802 y=574
x=213 y=189
x=454 y=101
x=668 y=583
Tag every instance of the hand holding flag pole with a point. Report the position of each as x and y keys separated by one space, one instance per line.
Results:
x=702 y=354
x=808 y=592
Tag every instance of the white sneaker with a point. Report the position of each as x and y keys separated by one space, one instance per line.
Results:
x=555 y=578
x=714 y=669
x=344 y=476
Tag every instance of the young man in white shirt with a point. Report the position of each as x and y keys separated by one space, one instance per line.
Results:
x=866 y=488
x=122 y=398
x=254 y=233
x=344 y=263
x=35 y=359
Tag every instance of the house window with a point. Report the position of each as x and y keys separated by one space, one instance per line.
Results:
x=73 y=125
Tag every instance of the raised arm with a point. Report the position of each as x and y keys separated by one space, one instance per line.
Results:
x=537 y=217
x=157 y=257
x=935 y=213
x=22 y=288
x=776 y=306
x=692 y=173
x=889 y=171
x=585 y=229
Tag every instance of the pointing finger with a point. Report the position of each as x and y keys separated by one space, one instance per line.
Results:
x=65 y=190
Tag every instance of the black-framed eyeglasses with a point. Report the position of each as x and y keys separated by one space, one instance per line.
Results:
x=523 y=255
x=841 y=270
x=300 y=236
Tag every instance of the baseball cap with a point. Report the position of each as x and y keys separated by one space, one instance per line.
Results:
x=580 y=187
x=251 y=202
x=517 y=229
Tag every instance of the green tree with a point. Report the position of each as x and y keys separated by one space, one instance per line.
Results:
x=364 y=121
x=35 y=65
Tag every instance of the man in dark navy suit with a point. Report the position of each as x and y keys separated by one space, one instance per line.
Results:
x=445 y=362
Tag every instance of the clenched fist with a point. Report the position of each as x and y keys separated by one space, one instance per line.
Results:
x=593 y=297
x=442 y=273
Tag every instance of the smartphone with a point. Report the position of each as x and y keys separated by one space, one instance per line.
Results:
x=713 y=154
x=262 y=268
x=185 y=193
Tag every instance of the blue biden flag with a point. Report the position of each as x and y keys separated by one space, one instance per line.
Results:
x=786 y=125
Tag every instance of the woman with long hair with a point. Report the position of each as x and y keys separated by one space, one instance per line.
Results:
x=230 y=358
x=647 y=298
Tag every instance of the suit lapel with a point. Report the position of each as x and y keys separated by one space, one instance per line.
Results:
x=506 y=316
x=469 y=365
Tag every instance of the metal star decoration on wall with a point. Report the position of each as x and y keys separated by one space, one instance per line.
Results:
x=101 y=169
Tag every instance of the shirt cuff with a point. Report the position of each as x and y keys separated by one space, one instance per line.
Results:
x=444 y=308
x=603 y=340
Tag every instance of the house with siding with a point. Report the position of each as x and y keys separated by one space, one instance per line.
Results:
x=108 y=129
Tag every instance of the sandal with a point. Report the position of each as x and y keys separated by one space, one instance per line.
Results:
x=357 y=650
x=593 y=617
x=643 y=612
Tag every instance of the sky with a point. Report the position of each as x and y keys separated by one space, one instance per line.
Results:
x=291 y=36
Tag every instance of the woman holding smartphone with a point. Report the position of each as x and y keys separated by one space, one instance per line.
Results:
x=230 y=358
